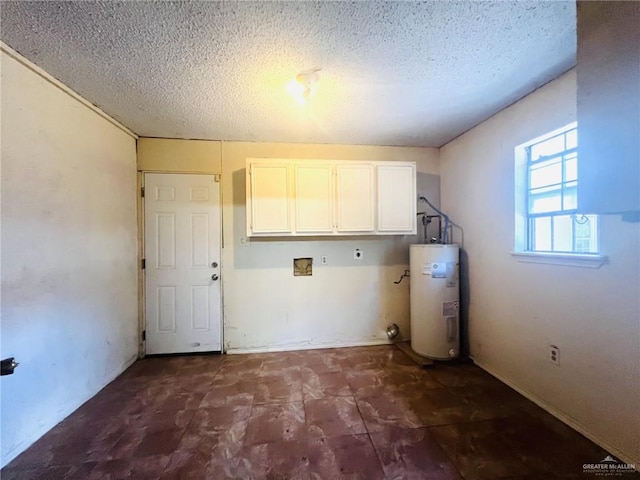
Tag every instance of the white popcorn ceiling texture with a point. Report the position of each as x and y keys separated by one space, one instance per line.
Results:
x=393 y=73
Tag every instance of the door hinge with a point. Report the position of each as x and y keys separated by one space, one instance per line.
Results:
x=142 y=192
x=216 y=178
x=144 y=335
x=143 y=263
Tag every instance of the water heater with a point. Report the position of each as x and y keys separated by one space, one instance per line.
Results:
x=435 y=301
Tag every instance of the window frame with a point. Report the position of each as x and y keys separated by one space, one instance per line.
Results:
x=523 y=244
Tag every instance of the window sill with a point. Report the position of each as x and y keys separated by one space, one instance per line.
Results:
x=566 y=259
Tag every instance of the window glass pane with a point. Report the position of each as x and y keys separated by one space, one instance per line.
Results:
x=541 y=238
x=593 y=224
x=552 y=193
x=571 y=168
x=562 y=233
x=570 y=196
x=586 y=233
x=572 y=139
x=545 y=202
x=547 y=173
x=583 y=245
x=548 y=147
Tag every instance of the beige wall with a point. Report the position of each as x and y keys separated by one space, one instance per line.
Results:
x=178 y=156
x=345 y=302
x=69 y=306
x=265 y=307
x=518 y=309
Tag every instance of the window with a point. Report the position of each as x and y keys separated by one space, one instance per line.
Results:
x=551 y=197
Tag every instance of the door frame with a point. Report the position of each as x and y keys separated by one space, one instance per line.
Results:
x=142 y=294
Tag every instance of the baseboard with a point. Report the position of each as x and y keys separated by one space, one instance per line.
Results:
x=126 y=364
x=563 y=417
x=315 y=346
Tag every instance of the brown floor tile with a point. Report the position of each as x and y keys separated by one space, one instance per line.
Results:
x=549 y=446
x=277 y=460
x=396 y=358
x=320 y=361
x=161 y=442
x=461 y=374
x=408 y=377
x=386 y=410
x=66 y=472
x=362 y=360
x=521 y=445
x=197 y=465
x=401 y=382
x=412 y=454
x=480 y=450
x=351 y=456
x=70 y=442
x=440 y=406
x=333 y=416
x=276 y=422
x=238 y=367
x=157 y=433
x=178 y=365
x=220 y=395
x=202 y=455
x=286 y=388
x=307 y=414
x=277 y=363
x=160 y=398
x=362 y=381
x=198 y=383
x=489 y=400
x=217 y=420
x=325 y=384
x=150 y=468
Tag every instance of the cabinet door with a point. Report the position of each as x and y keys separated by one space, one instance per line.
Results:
x=270 y=199
x=397 y=198
x=355 y=197
x=314 y=198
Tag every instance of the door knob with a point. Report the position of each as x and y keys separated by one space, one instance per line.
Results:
x=214 y=277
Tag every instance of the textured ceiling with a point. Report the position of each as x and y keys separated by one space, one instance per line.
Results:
x=393 y=73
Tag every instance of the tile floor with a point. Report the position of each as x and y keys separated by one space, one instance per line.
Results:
x=358 y=413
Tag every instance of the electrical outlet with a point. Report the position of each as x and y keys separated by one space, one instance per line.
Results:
x=323 y=260
x=357 y=254
x=554 y=355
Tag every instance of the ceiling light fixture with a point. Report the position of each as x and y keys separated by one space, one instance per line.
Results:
x=304 y=86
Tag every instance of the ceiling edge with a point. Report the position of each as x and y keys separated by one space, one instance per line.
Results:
x=58 y=84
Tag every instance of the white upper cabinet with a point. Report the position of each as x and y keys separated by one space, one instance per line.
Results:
x=355 y=197
x=270 y=198
x=330 y=197
x=396 y=198
x=314 y=198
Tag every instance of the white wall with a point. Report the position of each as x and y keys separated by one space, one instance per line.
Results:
x=518 y=309
x=69 y=286
x=345 y=302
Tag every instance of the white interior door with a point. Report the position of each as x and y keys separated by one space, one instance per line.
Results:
x=182 y=254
